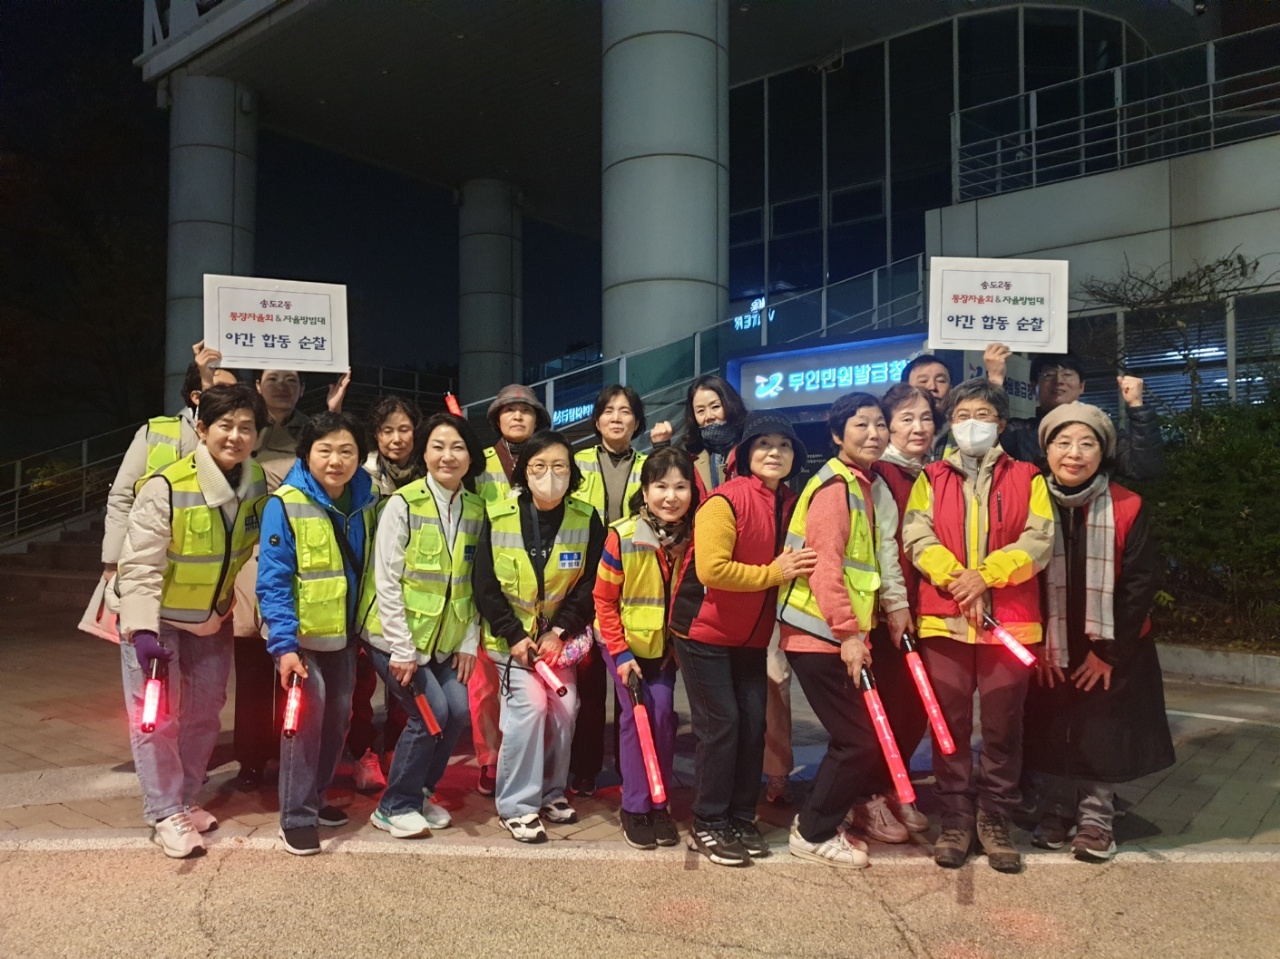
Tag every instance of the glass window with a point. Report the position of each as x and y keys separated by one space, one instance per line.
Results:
x=745 y=227
x=1135 y=48
x=746 y=147
x=746 y=271
x=855 y=118
x=855 y=248
x=1103 y=43
x=796 y=216
x=795 y=134
x=795 y=263
x=920 y=101
x=1051 y=46
x=988 y=58
x=857 y=202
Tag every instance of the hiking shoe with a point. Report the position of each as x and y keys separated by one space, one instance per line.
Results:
x=1052 y=832
x=637 y=830
x=664 y=830
x=368 y=775
x=875 y=820
x=1093 y=844
x=202 y=819
x=720 y=845
x=907 y=814
x=953 y=846
x=178 y=836
x=332 y=816
x=583 y=786
x=437 y=817
x=993 y=836
x=777 y=790
x=488 y=783
x=526 y=828
x=401 y=825
x=301 y=840
x=836 y=851
x=750 y=837
x=559 y=811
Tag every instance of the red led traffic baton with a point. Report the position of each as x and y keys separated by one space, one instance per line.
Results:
x=151 y=698
x=1024 y=655
x=640 y=713
x=939 y=725
x=888 y=745
x=293 y=706
x=550 y=678
x=428 y=717
x=451 y=404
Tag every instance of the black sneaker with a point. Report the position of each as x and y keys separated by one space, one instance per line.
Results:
x=664 y=830
x=637 y=830
x=332 y=816
x=721 y=846
x=583 y=786
x=250 y=778
x=301 y=840
x=750 y=838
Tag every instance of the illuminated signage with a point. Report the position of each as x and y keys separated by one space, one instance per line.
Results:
x=571 y=414
x=817 y=376
x=752 y=318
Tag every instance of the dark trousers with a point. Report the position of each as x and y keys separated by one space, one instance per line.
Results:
x=586 y=758
x=259 y=715
x=727 y=688
x=853 y=759
x=363 y=733
x=957 y=669
x=902 y=704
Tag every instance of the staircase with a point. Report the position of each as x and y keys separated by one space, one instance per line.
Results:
x=59 y=573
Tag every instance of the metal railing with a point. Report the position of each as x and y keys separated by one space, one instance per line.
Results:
x=1199 y=98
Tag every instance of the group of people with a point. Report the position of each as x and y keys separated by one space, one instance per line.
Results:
x=510 y=586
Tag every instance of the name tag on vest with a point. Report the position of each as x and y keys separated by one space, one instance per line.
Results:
x=468 y=554
x=570 y=560
x=251 y=522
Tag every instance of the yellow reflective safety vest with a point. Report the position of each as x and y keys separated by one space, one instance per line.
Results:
x=200 y=576
x=320 y=583
x=643 y=602
x=593 y=489
x=493 y=484
x=164 y=446
x=436 y=582
x=514 y=570
x=796 y=603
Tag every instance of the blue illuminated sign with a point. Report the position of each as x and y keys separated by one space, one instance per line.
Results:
x=571 y=414
x=817 y=376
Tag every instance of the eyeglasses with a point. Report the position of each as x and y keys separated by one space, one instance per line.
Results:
x=540 y=469
x=982 y=416
x=1055 y=373
x=1083 y=447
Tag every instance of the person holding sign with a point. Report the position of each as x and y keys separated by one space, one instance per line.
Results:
x=1059 y=379
x=314 y=592
x=979 y=527
x=534 y=569
x=638 y=585
x=423 y=638
x=192 y=526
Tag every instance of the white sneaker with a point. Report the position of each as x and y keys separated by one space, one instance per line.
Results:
x=559 y=812
x=876 y=821
x=402 y=825
x=437 y=817
x=178 y=837
x=527 y=828
x=202 y=819
x=836 y=851
x=368 y=774
x=907 y=814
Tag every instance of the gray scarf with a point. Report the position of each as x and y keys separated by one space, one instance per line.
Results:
x=898 y=458
x=1100 y=568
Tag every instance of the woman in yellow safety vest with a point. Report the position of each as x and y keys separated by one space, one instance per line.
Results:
x=535 y=566
x=193 y=525
x=424 y=637
x=313 y=591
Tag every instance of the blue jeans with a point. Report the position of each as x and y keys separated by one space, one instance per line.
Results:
x=419 y=761
x=171 y=761
x=537 y=739
x=309 y=760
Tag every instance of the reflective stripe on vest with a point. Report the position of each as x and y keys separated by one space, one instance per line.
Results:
x=164 y=446
x=436 y=583
x=643 y=602
x=200 y=574
x=320 y=583
x=797 y=606
x=514 y=570
x=593 y=489
x=493 y=484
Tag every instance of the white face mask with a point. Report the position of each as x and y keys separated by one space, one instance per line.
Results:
x=974 y=437
x=549 y=487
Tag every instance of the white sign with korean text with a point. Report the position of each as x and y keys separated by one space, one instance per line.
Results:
x=260 y=324
x=1021 y=303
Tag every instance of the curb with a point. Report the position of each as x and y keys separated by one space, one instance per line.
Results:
x=1260 y=670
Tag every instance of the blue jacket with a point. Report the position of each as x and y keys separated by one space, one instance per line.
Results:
x=278 y=558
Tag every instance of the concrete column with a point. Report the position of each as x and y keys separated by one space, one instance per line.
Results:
x=213 y=149
x=665 y=170
x=490 y=345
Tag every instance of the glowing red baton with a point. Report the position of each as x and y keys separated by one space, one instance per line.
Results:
x=293 y=706
x=428 y=717
x=151 y=698
x=550 y=678
x=888 y=745
x=999 y=632
x=640 y=713
x=451 y=404
x=940 y=731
